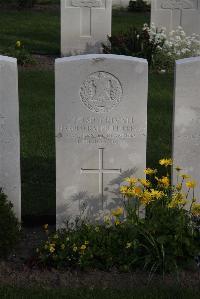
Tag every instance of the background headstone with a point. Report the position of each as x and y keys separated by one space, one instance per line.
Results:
x=120 y=3
x=186 y=135
x=85 y=24
x=101 y=124
x=10 y=179
x=174 y=13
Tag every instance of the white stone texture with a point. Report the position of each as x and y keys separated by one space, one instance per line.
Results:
x=85 y=24
x=101 y=124
x=186 y=135
x=10 y=179
x=173 y=13
x=120 y=3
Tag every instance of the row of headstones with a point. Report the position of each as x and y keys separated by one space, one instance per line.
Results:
x=85 y=24
x=101 y=125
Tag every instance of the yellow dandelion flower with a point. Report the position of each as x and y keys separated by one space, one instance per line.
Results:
x=166 y=162
x=178 y=187
x=195 y=209
x=18 y=44
x=156 y=194
x=178 y=199
x=45 y=226
x=118 y=212
x=83 y=247
x=164 y=181
x=75 y=248
x=150 y=171
x=128 y=245
x=146 y=197
x=145 y=183
x=86 y=242
x=123 y=189
x=131 y=180
x=191 y=184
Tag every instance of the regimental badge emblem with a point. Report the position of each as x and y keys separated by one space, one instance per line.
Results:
x=101 y=92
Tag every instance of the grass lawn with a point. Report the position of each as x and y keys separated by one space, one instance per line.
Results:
x=39 y=30
x=171 y=293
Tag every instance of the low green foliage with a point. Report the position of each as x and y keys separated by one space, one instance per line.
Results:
x=10 y=228
x=22 y=55
x=165 y=239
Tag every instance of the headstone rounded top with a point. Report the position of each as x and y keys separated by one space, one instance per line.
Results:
x=8 y=59
x=100 y=57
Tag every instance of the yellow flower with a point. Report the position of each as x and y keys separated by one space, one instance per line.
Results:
x=123 y=189
x=75 y=248
x=156 y=194
x=45 y=226
x=145 y=182
x=118 y=212
x=146 y=197
x=63 y=246
x=185 y=176
x=131 y=180
x=178 y=199
x=191 y=184
x=86 y=242
x=52 y=247
x=166 y=162
x=128 y=244
x=117 y=222
x=164 y=181
x=196 y=209
x=178 y=187
x=150 y=171
x=18 y=44
x=83 y=247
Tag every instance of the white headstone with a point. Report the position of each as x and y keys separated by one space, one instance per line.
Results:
x=186 y=137
x=9 y=133
x=85 y=24
x=174 y=13
x=120 y=3
x=101 y=123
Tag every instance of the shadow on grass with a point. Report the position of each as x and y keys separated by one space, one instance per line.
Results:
x=38 y=190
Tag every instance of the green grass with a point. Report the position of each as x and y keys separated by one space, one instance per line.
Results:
x=36 y=89
x=39 y=31
x=138 y=293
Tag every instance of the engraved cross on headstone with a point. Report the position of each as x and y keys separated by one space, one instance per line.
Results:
x=100 y=171
x=86 y=14
x=177 y=5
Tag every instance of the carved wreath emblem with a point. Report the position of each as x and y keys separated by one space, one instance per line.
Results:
x=101 y=92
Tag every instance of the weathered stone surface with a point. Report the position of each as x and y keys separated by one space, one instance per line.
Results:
x=85 y=24
x=9 y=132
x=101 y=122
x=174 y=13
x=186 y=137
